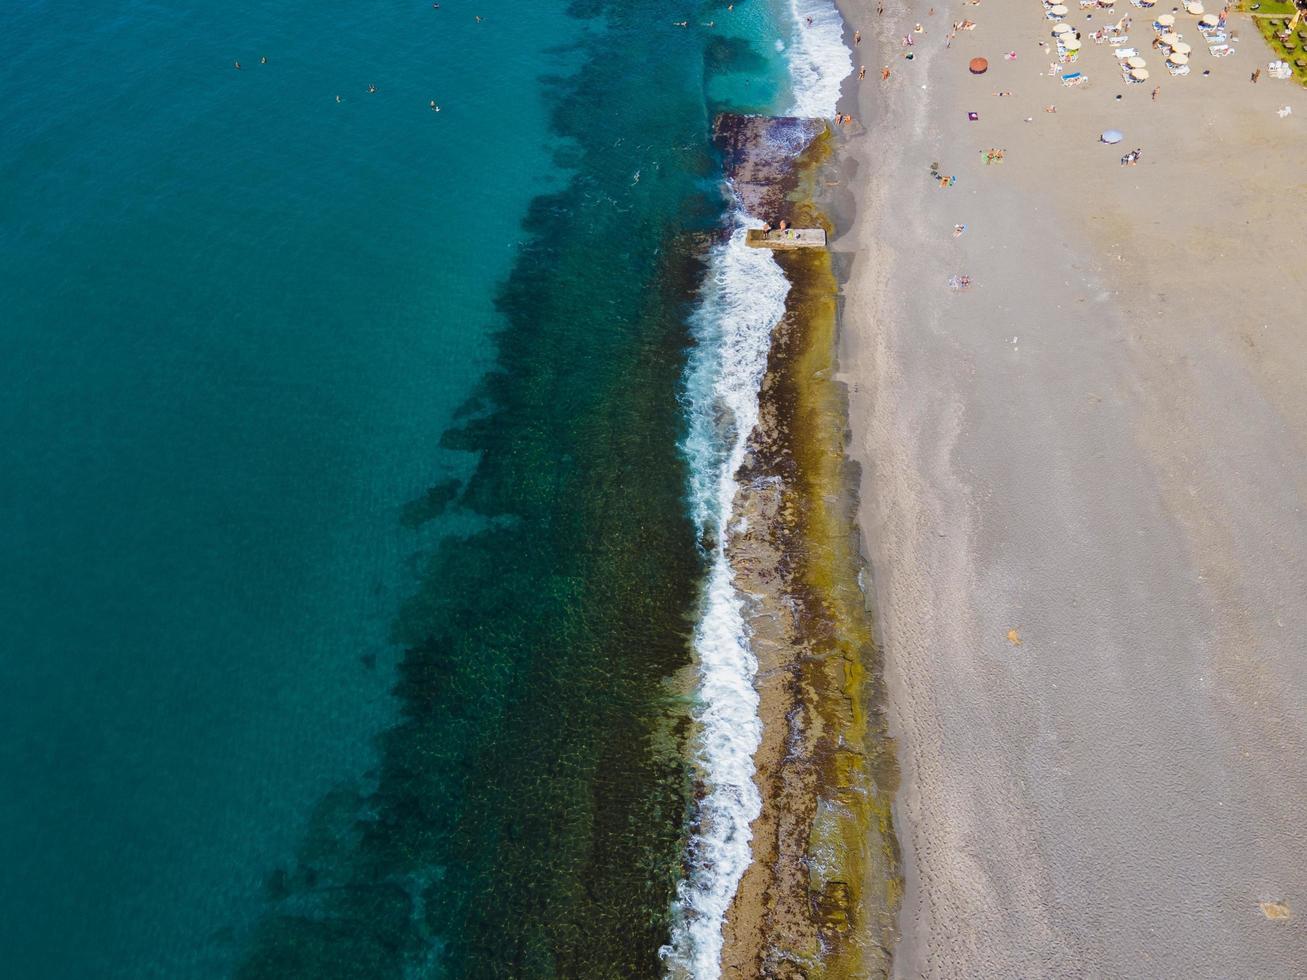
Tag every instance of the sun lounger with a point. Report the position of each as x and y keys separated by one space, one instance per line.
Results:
x=1220 y=50
x=1177 y=69
x=1123 y=53
x=1123 y=39
x=1217 y=38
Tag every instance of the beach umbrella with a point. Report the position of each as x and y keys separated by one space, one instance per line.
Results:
x=1071 y=43
x=1139 y=74
x=1062 y=28
x=1112 y=136
x=1135 y=62
x=1179 y=47
x=978 y=66
x=1194 y=8
x=1176 y=58
x=1209 y=20
x=1168 y=38
x=1107 y=3
x=1058 y=11
x=1166 y=20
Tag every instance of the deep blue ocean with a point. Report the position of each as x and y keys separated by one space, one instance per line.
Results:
x=347 y=567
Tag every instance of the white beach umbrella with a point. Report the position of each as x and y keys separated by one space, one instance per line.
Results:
x=1139 y=74
x=1178 y=59
x=1179 y=47
x=1194 y=8
x=1135 y=62
x=1058 y=11
x=1168 y=38
x=1071 y=43
x=1209 y=20
x=1062 y=28
x=1166 y=20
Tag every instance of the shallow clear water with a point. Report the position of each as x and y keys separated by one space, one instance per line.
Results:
x=348 y=558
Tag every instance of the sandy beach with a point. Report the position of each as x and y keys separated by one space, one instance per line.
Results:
x=1082 y=496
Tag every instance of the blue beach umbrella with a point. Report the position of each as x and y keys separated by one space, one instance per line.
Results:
x=1112 y=136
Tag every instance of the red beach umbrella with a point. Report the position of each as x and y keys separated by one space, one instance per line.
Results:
x=979 y=66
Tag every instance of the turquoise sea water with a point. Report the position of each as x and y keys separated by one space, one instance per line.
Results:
x=348 y=574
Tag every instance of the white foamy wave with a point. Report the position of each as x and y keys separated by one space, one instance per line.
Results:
x=819 y=58
x=743 y=300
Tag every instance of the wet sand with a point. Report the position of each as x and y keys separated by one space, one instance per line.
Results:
x=1084 y=493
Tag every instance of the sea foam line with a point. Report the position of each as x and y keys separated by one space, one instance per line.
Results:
x=743 y=301
x=819 y=60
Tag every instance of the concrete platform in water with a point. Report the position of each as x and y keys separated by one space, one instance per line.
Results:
x=789 y=238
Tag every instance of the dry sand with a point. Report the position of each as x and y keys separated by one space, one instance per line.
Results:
x=1098 y=451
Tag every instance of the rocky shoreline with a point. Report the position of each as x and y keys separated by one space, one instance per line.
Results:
x=819 y=899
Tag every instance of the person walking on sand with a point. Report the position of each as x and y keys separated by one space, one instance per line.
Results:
x=1155 y=91
x=857 y=37
x=884 y=73
x=862 y=73
x=1255 y=75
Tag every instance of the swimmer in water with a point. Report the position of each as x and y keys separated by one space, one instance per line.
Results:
x=434 y=107
x=372 y=88
x=263 y=60
x=236 y=65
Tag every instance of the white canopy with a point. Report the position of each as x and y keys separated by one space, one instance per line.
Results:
x=1166 y=20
